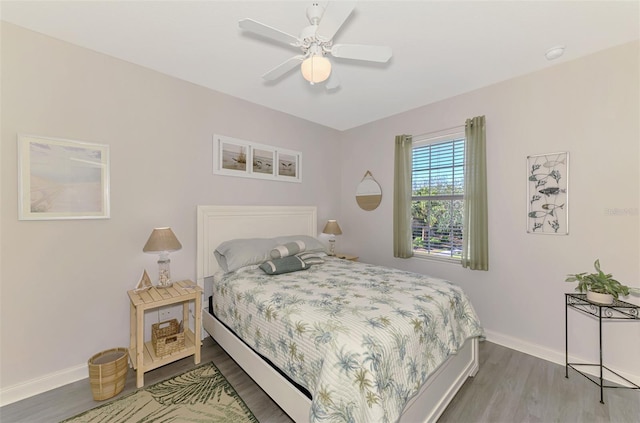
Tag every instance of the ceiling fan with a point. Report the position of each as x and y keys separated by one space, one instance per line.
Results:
x=316 y=42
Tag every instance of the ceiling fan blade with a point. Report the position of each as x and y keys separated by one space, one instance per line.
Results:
x=283 y=68
x=267 y=31
x=362 y=52
x=335 y=14
x=334 y=81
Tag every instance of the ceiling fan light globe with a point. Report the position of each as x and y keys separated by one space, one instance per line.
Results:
x=316 y=69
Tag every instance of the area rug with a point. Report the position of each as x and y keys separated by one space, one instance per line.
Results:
x=199 y=395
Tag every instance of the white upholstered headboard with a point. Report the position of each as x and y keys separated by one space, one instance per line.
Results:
x=221 y=223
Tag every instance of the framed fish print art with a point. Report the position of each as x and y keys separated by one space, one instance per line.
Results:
x=548 y=194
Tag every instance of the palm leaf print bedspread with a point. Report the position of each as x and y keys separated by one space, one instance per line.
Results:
x=361 y=338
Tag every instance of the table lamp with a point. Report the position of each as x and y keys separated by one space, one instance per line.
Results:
x=332 y=228
x=163 y=241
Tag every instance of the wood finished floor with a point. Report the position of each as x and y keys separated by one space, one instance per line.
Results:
x=509 y=387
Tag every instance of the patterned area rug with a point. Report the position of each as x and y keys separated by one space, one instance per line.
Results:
x=199 y=395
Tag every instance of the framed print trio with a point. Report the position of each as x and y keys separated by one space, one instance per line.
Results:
x=62 y=179
x=234 y=157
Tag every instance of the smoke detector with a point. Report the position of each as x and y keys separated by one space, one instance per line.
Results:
x=554 y=52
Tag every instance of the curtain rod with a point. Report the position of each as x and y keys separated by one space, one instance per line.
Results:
x=441 y=131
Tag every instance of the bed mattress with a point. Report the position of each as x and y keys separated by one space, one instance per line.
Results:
x=360 y=338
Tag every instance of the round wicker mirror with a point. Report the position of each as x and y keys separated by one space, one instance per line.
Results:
x=368 y=193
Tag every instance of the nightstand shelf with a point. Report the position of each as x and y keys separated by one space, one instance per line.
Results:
x=142 y=354
x=152 y=361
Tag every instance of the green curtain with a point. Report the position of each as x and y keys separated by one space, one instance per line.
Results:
x=402 y=243
x=475 y=238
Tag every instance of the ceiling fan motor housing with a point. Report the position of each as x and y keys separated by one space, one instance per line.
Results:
x=314 y=13
x=310 y=43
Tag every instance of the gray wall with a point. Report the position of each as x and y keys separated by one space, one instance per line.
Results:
x=588 y=107
x=64 y=283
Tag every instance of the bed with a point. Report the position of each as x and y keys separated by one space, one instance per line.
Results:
x=420 y=395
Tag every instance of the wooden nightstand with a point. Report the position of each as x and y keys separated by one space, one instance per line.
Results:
x=345 y=256
x=142 y=355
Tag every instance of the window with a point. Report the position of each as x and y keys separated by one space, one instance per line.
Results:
x=437 y=201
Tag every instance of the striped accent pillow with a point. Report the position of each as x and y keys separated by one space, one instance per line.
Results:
x=311 y=258
x=283 y=265
x=288 y=249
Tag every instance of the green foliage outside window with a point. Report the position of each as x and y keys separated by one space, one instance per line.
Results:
x=438 y=195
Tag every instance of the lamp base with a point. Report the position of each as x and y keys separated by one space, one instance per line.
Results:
x=164 y=272
x=332 y=247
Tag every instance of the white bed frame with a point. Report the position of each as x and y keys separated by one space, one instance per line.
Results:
x=220 y=223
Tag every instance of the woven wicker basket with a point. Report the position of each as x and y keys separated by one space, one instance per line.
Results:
x=108 y=373
x=167 y=337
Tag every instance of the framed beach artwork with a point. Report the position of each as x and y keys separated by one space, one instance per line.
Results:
x=548 y=194
x=62 y=179
x=288 y=164
x=263 y=161
x=235 y=157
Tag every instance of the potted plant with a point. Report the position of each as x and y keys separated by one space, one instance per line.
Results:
x=600 y=287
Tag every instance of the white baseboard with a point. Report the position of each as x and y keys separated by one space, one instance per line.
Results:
x=553 y=356
x=42 y=384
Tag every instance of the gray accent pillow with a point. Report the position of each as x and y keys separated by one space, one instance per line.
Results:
x=288 y=249
x=236 y=253
x=283 y=265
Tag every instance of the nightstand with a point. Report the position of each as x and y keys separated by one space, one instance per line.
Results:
x=142 y=355
x=345 y=256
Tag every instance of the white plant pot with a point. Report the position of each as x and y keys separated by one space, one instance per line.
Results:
x=597 y=297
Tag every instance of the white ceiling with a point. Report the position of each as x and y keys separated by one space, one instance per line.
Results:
x=440 y=48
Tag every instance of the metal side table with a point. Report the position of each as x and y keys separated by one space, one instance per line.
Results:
x=618 y=310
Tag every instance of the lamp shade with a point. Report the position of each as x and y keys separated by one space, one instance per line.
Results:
x=332 y=228
x=316 y=68
x=162 y=239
